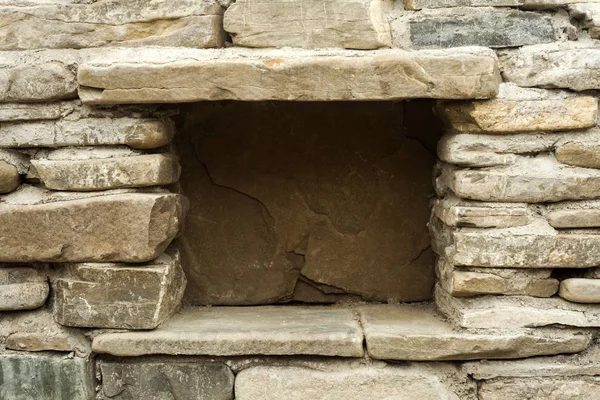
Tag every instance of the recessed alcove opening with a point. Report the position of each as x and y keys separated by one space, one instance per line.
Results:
x=311 y=202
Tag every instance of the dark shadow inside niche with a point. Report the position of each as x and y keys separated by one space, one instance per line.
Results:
x=307 y=201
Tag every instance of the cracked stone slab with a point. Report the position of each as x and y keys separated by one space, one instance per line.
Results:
x=467 y=282
x=47 y=376
x=22 y=288
x=573 y=214
x=351 y=24
x=499 y=312
x=155 y=380
x=120 y=296
x=454 y=211
x=521 y=110
x=536 y=245
x=537 y=179
x=232 y=331
x=36 y=225
x=74 y=25
x=569 y=65
x=101 y=168
x=580 y=290
x=188 y=75
x=572 y=388
x=419 y=333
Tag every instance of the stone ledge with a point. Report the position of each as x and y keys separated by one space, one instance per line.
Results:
x=152 y=75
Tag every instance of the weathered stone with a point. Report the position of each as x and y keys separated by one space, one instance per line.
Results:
x=153 y=380
x=344 y=382
x=185 y=23
x=521 y=110
x=106 y=227
x=244 y=331
x=499 y=312
x=134 y=132
x=419 y=333
x=38 y=331
x=22 y=289
x=576 y=214
x=541 y=389
x=350 y=218
x=466 y=26
x=462 y=282
x=37 y=76
x=537 y=245
x=576 y=148
x=454 y=211
x=420 y=4
x=37 y=376
x=31 y=112
x=579 y=290
x=15 y=159
x=120 y=296
x=351 y=24
x=96 y=168
x=187 y=75
x=570 y=65
x=9 y=177
x=590 y=15
x=530 y=179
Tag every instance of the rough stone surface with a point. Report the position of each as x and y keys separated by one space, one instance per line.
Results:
x=498 y=312
x=579 y=290
x=465 y=26
x=351 y=24
x=29 y=112
x=463 y=282
x=575 y=214
x=570 y=65
x=537 y=245
x=579 y=153
x=108 y=227
x=590 y=16
x=155 y=380
x=530 y=179
x=22 y=288
x=105 y=168
x=454 y=211
x=9 y=177
x=187 y=75
x=43 y=376
x=244 y=331
x=134 y=132
x=521 y=110
x=333 y=194
x=541 y=389
x=419 y=333
x=74 y=25
x=420 y=4
x=350 y=383
x=120 y=296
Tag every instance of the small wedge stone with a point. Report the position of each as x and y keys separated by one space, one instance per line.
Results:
x=22 y=289
x=233 y=331
x=579 y=290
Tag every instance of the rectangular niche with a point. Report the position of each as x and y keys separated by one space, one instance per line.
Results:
x=307 y=201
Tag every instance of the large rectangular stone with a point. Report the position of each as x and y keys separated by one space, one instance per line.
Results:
x=230 y=331
x=33 y=376
x=120 y=296
x=419 y=333
x=106 y=227
x=187 y=75
x=74 y=25
x=351 y=24
x=165 y=379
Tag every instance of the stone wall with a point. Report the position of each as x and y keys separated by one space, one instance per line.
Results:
x=322 y=202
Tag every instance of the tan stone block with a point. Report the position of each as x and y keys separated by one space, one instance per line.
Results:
x=351 y=24
x=9 y=177
x=574 y=214
x=120 y=296
x=580 y=154
x=63 y=227
x=22 y=289
x=579 y=290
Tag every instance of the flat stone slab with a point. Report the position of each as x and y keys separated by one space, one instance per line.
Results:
x=349 y=383
x=580 y=290
x=498 y=312
x=541 y=389
x=22 y=288
x=354 y=24
x=35 y=111
x=187 y=75
x=158 y=380
x=454 y=211
x=419 y=333
x=37 y=225
x=233 y=331
x=421 y=4
x=120 y=296
x=41 y=376
x=575 y=214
